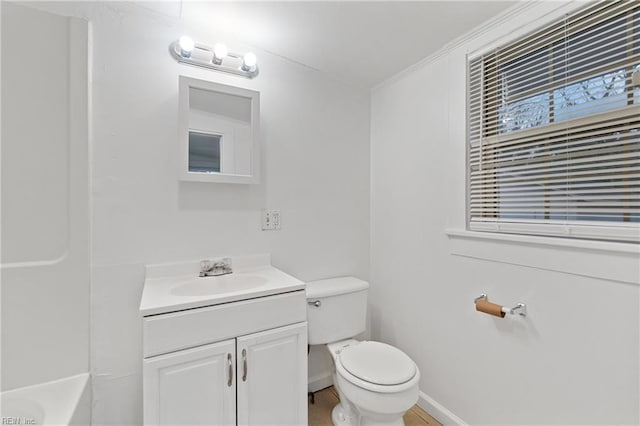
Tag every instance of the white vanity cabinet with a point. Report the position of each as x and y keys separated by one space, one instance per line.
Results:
x=241 y=363
x=272 y=377
x=193 y=386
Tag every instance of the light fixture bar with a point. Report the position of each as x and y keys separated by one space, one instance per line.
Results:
x=233 y=63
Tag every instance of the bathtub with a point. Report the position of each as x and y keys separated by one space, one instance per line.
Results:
x=61 y=402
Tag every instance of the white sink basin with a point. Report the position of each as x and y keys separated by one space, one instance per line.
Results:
x=216 y=285
x=176 y=286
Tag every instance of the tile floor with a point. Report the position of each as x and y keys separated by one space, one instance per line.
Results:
x=326 y=399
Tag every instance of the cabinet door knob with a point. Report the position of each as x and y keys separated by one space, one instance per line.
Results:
x=244 y=365
x=230 y=362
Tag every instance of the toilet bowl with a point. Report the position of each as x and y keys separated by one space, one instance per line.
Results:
x=377 y=383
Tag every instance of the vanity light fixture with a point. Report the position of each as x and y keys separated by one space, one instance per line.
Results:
x=217 y=58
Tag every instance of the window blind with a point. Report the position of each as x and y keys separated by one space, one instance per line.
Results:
x=554 y=129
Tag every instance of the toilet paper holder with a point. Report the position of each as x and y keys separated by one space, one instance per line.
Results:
x=520 y=308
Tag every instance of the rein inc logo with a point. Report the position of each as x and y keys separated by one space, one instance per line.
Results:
x=18 y=421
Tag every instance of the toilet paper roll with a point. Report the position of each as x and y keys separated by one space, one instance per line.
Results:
x=489 y=308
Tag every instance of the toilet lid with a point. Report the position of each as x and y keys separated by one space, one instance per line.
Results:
x=378 y=363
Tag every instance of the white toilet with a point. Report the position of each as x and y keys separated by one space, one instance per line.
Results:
x=377 y=383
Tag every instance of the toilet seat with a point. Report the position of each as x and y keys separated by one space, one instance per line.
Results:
x=377 y=363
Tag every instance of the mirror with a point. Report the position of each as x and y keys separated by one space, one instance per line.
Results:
x=219 y=126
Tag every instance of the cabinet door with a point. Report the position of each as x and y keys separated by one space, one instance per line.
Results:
x=272 y=377
x=191 y=387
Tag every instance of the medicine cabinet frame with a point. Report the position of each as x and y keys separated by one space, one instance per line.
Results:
x=184 y=114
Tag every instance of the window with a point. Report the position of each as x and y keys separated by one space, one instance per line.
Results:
x=554 y=129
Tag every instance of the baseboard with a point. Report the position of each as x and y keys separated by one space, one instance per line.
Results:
x=438 y=411
x=319 y=382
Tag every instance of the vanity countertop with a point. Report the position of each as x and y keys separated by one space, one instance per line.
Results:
x=177 y=286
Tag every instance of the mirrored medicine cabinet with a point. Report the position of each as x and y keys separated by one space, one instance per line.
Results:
x=219 y=132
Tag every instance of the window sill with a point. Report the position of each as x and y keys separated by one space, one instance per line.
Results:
x=597 y=259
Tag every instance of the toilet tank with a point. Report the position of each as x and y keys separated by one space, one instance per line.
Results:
x=336 y=309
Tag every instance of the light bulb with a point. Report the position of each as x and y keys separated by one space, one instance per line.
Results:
x=249 y=62
x=186 y=46
x=220 y=52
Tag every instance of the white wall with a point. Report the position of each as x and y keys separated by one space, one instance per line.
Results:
x=574 y=359
x=45 y=197
x=315 y=137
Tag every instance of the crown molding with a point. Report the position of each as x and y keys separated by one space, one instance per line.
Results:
x=509 y=14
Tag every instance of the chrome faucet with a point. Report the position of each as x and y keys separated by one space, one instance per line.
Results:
x=215 y=267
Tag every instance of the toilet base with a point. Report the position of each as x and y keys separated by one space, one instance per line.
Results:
x=346 y=413
x=375 y=419
x=343 y=414
x=340 y=418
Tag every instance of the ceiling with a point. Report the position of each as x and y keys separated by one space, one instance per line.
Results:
x=362 y=43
